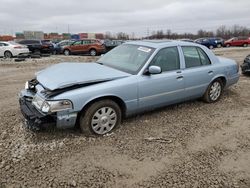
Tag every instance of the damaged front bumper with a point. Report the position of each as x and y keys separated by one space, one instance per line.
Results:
x=34 y=119
x=37 y=120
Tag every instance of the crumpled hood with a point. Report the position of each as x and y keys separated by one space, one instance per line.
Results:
x=64 y=75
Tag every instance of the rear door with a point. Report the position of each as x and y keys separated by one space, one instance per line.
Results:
x=86 y=46
x=198 y=71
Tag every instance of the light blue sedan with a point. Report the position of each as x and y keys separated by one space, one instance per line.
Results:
x=132 y=78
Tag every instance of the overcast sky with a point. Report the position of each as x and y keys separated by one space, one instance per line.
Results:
x=129 y=16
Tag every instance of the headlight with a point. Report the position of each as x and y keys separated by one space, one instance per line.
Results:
x=56 y=106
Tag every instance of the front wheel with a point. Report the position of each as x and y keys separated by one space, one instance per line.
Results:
x=66 y=52
x=93 y=52
x=211 y=47
x=213 y=92
x=100 y=118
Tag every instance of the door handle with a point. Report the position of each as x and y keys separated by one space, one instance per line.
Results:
x=179 y=77
x=210 y=72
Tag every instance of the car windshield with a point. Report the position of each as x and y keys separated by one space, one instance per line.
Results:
x=127 y=57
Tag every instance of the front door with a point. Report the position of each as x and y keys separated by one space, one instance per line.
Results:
x=165 y=88
x=76 y=47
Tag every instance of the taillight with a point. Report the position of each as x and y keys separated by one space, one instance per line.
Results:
x=18 y=47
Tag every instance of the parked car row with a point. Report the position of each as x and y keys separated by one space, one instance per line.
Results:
x=216 y=42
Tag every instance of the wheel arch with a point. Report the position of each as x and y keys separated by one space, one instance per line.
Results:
x=7 y=51
x=222 y=78
x=114 y=98
x=92 y=48
x=66 y=49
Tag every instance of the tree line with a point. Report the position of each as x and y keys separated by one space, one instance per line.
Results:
x=223 y=32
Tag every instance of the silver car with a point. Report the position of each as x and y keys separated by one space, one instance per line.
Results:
x=132 y=78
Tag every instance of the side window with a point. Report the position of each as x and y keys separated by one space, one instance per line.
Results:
x=36 y=42
x=22 y=42
x=194 y=57
x=168 y=59
x=77 y=43
x=203 y=57
x=85 y=42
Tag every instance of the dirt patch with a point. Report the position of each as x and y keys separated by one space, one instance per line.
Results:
x=207 y=144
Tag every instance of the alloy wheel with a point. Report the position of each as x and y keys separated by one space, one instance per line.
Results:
x=215 y=91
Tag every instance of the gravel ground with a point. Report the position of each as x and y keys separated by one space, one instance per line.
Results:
x=192 y=144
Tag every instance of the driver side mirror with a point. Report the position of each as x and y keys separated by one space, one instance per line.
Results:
x=154 y=70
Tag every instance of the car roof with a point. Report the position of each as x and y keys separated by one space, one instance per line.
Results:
x=162 y=43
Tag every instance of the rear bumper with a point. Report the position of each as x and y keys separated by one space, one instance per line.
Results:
x=233 y=80
x=35 y=120
x=21 y=52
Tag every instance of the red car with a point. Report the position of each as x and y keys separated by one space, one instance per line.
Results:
x=238 y=41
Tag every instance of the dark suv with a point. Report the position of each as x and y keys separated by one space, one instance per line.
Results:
x=38 y=46
x=211 y=42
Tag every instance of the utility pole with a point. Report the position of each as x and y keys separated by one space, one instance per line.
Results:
x=68 y=29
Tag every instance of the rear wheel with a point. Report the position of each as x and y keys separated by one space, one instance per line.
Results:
x=219 y=45
x=8 y=54
x=100 y=118
x=214 y=91
x=92 y=52
x=228 y=45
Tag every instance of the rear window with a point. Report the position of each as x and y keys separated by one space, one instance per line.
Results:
x=195 y=57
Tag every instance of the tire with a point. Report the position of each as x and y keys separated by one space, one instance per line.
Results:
x=37 y=52
x=19 y=59
x=35 y=56
x=213 y=92
x=228 y=45
x=245 y=45
x=8 y=54
x=45 y=55
x=66 y=52
x=100 y=118
x=93 y=52
x=211 y=47
x=219 y=45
